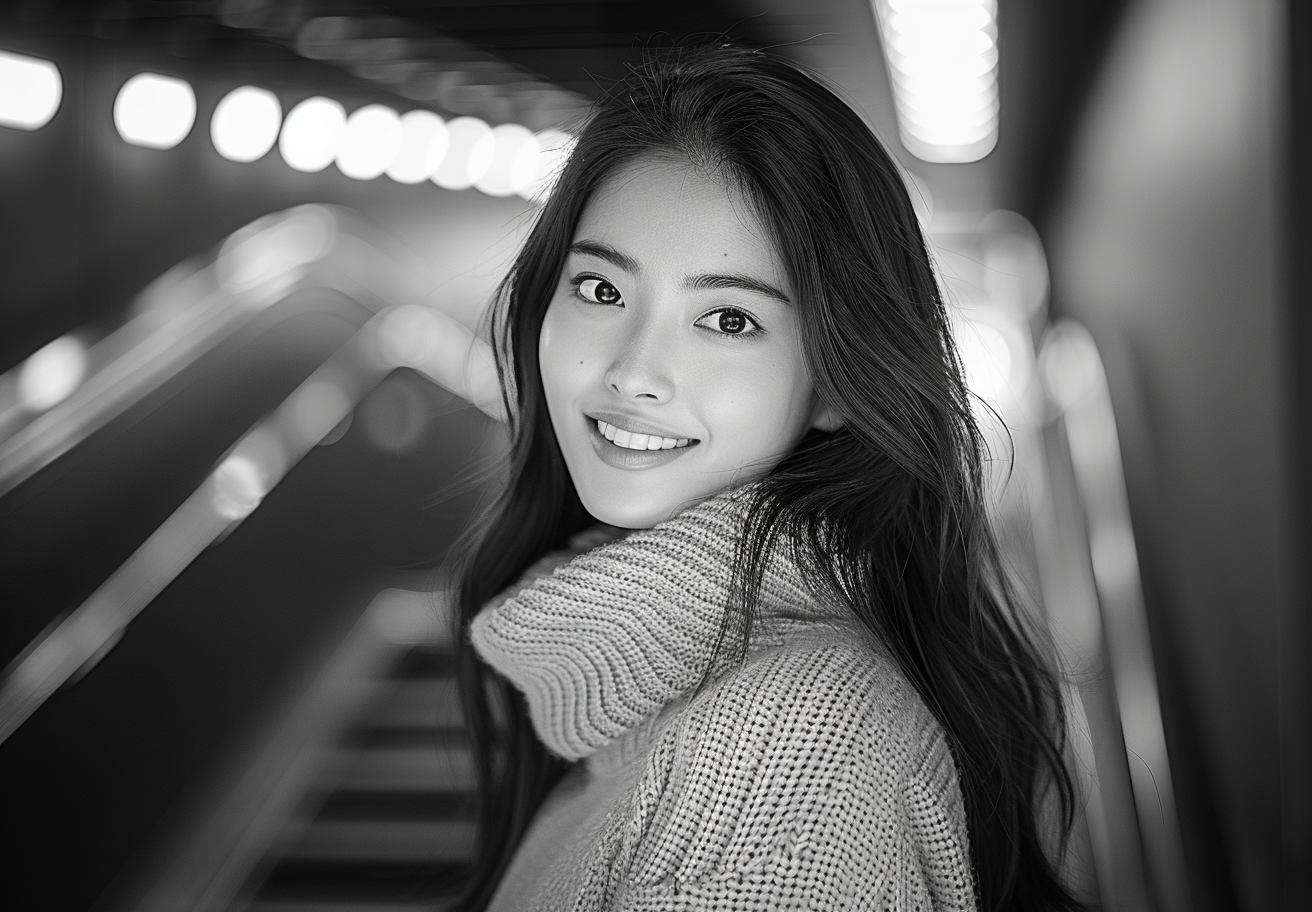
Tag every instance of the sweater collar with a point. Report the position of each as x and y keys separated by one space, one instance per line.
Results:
x=609 y=639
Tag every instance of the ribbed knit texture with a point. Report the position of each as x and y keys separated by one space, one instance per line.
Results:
x=810 y=777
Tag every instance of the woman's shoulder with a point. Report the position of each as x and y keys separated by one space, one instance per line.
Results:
x=812 y=767
x=835 y=683
x=822 y=708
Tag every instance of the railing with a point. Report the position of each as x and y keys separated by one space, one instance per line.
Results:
x=1098 y=598
x=305 y=248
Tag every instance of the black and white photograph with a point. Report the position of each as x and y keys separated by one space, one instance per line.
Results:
x=656 y=455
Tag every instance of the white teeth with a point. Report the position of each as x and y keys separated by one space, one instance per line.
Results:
x=632 y=441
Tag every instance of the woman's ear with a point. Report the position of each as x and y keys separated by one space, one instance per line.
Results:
x=824 y=418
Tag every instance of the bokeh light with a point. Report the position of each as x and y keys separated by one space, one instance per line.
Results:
x=248 y=473
x=424 y=141
x=30 y=91
x=312 y=134
x=371 y=141
x=554 y=147
x=943 y=60
x=1069 y=364
x=239 y=486
x=154 y=111
x=245 y=124
x=318 y=407
x=469 y=155
x=51 y=373
x=986 y=358
x=408 y=335
x=271 y=253
x=514 y=163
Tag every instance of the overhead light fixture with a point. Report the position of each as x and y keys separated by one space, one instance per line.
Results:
x=30 y=91
x=154 y=111
x=424 y=141
x=312 y=134
x=554 y=147
x=469 y=155
x=943 y=62
x=424 y=64
x=245 y=124
x=514 y=163
x=372 y=139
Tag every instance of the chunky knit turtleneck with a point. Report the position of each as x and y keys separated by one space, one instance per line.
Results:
x=811 y=776
x=590 y=672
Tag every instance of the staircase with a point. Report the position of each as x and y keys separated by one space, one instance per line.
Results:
x=387 y=824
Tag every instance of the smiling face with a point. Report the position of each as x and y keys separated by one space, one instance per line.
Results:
x=670 y=352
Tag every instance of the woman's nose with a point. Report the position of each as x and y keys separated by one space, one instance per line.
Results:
x=642 y=367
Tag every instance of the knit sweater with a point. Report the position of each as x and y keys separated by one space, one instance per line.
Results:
x=811 y=776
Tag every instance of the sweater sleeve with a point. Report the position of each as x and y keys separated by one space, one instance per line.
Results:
x=806 y=780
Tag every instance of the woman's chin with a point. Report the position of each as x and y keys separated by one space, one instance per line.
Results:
x=635 y=511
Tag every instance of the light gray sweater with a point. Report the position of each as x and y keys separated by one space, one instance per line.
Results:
x=810 y=777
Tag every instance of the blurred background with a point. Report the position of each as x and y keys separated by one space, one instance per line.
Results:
x=242 y=242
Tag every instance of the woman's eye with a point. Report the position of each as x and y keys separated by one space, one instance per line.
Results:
x=730 y=321
x=598 y=291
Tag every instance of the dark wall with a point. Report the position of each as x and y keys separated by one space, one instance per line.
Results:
x=1167 y=243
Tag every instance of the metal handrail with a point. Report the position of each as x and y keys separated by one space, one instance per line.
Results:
x=1077 y=384
x=301 y=249
x=180 y=317
x=404 y=336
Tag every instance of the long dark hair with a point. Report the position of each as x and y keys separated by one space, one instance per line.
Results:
x=888 y=511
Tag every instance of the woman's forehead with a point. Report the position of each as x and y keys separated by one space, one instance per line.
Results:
x=663 y=208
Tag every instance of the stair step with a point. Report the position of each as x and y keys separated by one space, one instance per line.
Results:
x=426 y=662
x=370 y=736
x=323 y=905
x=375 y=884
x=417 y=702
x=411 y=768
x=388 y=826
x=397 y=805
x=384 y=840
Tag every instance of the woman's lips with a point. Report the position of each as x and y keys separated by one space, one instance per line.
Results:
x=633 y=441
x=626 y=457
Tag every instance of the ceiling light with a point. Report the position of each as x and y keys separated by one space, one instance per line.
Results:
x=424 y=142
x=514 y=163
x=245 y=124
x=30 y=90
x=372 y=139
x=312 y=134
x=554 y=147
x=469 y=155
x=154 y=111
x=986 y=359
x=943 y=61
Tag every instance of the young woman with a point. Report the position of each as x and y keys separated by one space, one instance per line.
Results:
x=737 y=635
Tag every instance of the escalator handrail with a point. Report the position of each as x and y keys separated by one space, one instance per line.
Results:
x=310 y=247
x=407 y=335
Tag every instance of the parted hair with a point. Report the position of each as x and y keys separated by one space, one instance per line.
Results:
x=888 y=511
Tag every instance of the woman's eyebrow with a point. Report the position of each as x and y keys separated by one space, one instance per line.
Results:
x=746 y=283
x=699 y=282
x=608 y=253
